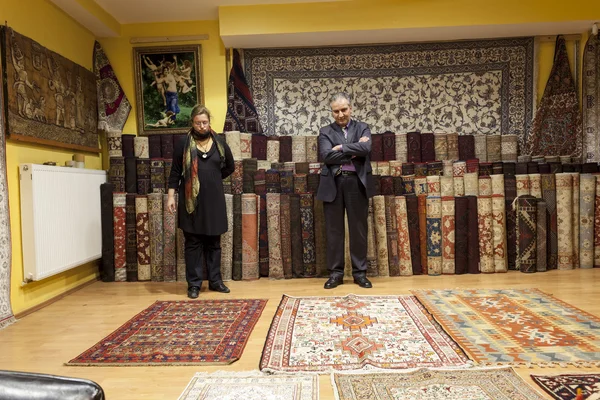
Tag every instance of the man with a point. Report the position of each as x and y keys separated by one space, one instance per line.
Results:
x=168 y=79
x=346 y=185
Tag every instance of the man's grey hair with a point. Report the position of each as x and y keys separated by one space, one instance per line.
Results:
x=339 y=96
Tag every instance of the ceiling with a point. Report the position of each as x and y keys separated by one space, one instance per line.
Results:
x=140 y=11
x=147 y=11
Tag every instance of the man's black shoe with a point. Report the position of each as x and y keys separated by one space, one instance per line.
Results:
x=333 y=282
x=363 y=282
x=193 y=292
x=219 y=287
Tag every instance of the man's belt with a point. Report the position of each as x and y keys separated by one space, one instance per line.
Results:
x=344 y=172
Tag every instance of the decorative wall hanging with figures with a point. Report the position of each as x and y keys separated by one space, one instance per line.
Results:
x=50 y=100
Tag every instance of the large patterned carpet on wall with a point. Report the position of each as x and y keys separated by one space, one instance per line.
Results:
x=323 y=334
x=6 y=315
x=179 y=333
x=484 y=86
x=427 y=384
x=516 y=327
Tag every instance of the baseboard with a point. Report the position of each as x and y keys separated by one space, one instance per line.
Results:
x=54 y=299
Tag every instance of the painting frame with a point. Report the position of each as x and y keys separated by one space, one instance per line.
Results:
x=150 y=64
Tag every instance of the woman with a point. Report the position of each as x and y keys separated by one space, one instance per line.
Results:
x=200 y=163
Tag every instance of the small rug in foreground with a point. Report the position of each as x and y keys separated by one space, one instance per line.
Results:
x=426 y=384
x=565 y=386
x=516 y=327
x=251 y=386
x=325 y=334
x=179 y=333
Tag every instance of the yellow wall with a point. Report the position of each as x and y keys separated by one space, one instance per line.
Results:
x=391 y=14
x=119 y=52
x=45 y=23
x=42 y=21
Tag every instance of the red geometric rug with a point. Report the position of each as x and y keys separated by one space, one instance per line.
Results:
x=179 y=333
x=565 y=386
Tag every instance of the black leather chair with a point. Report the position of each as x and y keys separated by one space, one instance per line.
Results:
x=15 y=385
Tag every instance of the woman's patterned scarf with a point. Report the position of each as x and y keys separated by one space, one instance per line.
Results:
x=190 y=169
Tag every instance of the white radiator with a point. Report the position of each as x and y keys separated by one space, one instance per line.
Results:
x=60 y=218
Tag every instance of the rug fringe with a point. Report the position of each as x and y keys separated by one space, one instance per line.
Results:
x=336 y=393
x=371 y=369
x=549 y=364
x=412 y=370
x=8 y=321
x=147 y=364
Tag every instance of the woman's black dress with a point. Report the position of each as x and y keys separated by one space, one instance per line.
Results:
x=210 y=215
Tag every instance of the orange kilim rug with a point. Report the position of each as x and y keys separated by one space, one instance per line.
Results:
x=516 y=327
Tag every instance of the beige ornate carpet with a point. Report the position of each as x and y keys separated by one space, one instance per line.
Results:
x=424 y=384
x=251 y=385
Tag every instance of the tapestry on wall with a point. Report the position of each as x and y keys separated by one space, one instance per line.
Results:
x=467 y=87
x=591 y=99
x=241 y=112
x=113 y=105
x=50 y=100
x=556 y=129
x=6 y=315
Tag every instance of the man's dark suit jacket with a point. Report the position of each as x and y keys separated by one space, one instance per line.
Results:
x=332 y=135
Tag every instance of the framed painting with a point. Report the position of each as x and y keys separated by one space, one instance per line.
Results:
x=168 y=84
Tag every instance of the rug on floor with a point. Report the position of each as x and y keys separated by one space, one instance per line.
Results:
x=427 y=384
x=565 y=386
x=516 y=327
x=252 y=385
x=179 y=333
x=324 y=334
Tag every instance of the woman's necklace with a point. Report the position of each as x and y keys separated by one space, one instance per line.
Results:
x=205 y=148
